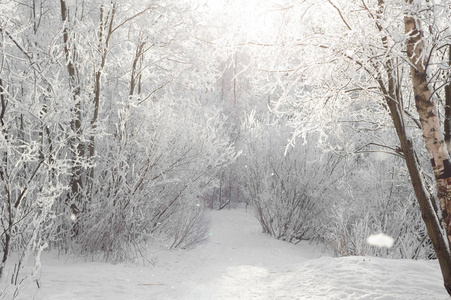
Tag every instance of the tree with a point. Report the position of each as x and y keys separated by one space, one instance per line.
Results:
x=358 y=51
x=433 y=139
x=106 y=140
x=33 y=167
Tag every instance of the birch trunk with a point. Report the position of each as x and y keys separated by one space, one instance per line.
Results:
x=432 y=135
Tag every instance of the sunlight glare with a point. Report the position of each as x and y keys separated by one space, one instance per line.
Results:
x=252 y=19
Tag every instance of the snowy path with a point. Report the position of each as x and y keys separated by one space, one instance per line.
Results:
x=239 y=262
x=236 y=254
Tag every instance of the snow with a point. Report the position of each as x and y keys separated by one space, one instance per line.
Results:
x=349 y=53
x=380 y=240
x=239 y=262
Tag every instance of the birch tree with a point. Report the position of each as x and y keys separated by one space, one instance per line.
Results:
x=433 y=135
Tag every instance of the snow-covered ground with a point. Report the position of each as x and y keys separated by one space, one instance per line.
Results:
x=239 y=262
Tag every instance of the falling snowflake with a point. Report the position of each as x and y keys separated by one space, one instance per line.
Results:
x=380 y=240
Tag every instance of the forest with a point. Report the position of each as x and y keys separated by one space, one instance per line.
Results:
x=122 y=122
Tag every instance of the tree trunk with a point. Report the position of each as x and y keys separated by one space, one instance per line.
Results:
x=448 y=107
x=78 y=146
x=434 y=140
x=105 y=32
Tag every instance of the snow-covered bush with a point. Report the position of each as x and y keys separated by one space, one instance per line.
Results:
x=312 y=191
x=31 y=182
x=379 y=201
x=286 y=186
x=155 y=170
x=35 y=131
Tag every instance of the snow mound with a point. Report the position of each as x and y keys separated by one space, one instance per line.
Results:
x=336 y=278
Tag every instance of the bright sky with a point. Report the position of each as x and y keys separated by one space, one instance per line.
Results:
x=253 y=18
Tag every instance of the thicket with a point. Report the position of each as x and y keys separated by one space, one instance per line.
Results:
x=311 y=191
x=107 y=143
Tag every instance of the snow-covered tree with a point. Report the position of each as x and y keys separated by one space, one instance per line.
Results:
x=391 y=57
x=109 y=134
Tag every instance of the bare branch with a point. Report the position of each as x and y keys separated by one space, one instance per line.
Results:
x=341 y=15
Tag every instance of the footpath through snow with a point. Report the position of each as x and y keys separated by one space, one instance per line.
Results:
x=239 y=262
